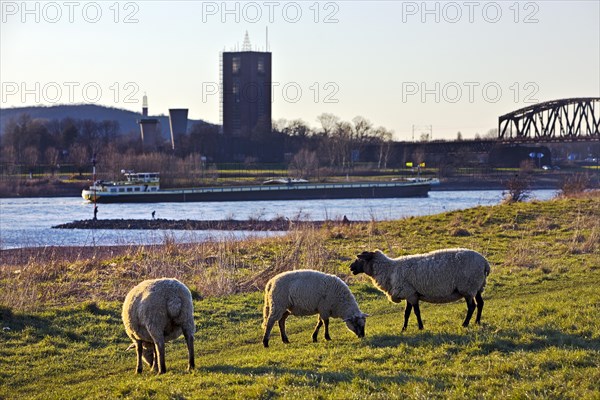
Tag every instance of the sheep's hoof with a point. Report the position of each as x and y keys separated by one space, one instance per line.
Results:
x=266 y=343
x=314 y=339
x=327 y=338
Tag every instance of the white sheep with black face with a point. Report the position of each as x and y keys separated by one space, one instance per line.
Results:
x=307 y=292
x=441 y=276
x=157 y=311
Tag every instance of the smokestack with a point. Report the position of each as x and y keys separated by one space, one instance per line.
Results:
x=178 y=118
x=145 y=105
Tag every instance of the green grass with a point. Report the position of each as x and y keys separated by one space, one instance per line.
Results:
x=539 y=338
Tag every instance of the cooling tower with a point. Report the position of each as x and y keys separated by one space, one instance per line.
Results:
x=150 y=133
x=178 y=118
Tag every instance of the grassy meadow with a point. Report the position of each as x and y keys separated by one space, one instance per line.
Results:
x=62 y=335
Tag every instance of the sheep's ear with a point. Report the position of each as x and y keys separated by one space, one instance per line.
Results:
x=366 y=255
x=365 y=315
x=131 y=346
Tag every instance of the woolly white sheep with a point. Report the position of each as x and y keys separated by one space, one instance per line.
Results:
x=154 y=312
x=441 y=276
x=306 y=292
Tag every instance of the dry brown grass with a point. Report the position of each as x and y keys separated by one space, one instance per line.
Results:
x=30 y=278
x=575 y=185
x=60 y=275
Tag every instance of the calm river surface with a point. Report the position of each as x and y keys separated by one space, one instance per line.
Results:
x=28 y=222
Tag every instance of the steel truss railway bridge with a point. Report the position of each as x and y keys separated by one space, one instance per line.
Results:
x=564 y=120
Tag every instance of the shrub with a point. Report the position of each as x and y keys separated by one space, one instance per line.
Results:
x=517 y=188
x=574 y=185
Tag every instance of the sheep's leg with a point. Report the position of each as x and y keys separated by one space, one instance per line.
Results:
x=480 y=302
x=326 y=321
x=268 y=326
x=316 y=331
x=407 y=312
x=189 y=340
x=138 y=350
x=284 y=337
x=418 y=314
x=470 y=308
x=154 y=367
x=159 y=352
x=160 y=356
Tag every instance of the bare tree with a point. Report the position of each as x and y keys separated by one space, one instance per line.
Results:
x=31 y=156
x=491 y=134
x=51 y=155
x=80 y=157
x=362 y=129
x=329 y=124
x=304 y=164
x=384 y=137
x=342 y=142
x=8 y=155
x=297 y=128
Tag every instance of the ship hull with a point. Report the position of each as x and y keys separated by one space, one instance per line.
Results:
x=279 y=192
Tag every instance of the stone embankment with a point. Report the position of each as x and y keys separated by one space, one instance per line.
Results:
x=279 y=224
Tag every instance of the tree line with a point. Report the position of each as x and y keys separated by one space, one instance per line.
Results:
x=335 y=143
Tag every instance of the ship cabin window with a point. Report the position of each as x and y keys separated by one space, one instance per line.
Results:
x=112 y=190
x=121 y=190
x=137 y=189
x=261 y=65
x=129 y=189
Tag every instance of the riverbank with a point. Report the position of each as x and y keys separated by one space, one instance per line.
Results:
x=57 y=304
x=279 y=224
x=496 y=181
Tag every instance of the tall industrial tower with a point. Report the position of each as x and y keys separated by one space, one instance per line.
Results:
x=246 y=91
x=149 y=128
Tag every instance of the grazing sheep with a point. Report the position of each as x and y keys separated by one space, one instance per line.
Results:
x=154 y=312
x=441 y=276
x=306 y=292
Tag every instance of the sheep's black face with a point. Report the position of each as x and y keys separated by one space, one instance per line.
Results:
x=363 y=263
x=357 y=267
x=357 y=325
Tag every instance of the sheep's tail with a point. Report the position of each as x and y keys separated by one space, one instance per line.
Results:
x=174 y=305
x=486 y=270
x=267 y=306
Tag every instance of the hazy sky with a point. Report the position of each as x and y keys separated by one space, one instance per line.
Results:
x=455 y=66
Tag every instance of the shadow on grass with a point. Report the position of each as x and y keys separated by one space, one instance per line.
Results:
x=380 y=341
x=508 y=341
x=329 y=377
x=60 y=323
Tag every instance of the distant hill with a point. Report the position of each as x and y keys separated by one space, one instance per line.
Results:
x=127 y=119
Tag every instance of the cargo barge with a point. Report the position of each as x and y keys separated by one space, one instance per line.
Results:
x=144 y=187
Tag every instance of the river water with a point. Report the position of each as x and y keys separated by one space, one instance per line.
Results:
x=28 y=222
